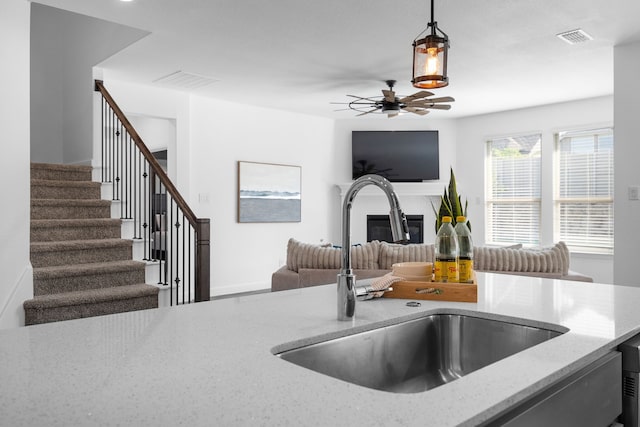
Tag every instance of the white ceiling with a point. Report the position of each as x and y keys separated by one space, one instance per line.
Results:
x=300 y=55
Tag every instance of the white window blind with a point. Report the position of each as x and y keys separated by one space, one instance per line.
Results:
x=513 y=190
x=584 y=189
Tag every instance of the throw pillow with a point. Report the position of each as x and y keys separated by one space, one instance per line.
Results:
x=307 y=255
x=391 y=253
x=554 y=259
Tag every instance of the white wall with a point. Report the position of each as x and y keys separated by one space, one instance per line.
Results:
x=473 y=132
x=64 y=48
x=374 y=202
x=627 y=159
x=158 y=134
x=243 y=255
x=16 y=285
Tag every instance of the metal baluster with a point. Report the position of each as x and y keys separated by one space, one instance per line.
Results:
x=168 y=257
x=131 y=177
x=102 y=138
x=184 y=282
x=190 y=260
x=146 y=229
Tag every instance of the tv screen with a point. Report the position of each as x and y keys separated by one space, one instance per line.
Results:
x=399 y=156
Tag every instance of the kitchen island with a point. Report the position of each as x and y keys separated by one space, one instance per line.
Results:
x=213 y=364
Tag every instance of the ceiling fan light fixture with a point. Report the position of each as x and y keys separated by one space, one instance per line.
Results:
x=389 y=104
x=390 y=108
x=430 y=57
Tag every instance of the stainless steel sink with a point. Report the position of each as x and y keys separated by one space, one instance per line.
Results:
x=418 y=354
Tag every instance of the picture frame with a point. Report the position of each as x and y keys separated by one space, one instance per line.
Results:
x=269 y=192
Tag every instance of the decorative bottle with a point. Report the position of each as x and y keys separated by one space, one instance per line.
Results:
x=465 y=254
x=446 y=253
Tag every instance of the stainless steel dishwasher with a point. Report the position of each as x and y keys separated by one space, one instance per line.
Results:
x=630 y=380
x=590 y=397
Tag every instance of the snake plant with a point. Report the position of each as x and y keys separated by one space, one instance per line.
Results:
x=450 y=204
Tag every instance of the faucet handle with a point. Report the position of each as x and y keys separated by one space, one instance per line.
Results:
x=399 y=226
x=367 y=292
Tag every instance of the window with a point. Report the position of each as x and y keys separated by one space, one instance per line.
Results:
x=513 y=193
x=584 y=189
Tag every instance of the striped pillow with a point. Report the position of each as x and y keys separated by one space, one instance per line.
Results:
x=391 y=253
x=307 y=255
x=553 y=259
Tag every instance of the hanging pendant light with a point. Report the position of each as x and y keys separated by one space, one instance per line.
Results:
x=430 y=57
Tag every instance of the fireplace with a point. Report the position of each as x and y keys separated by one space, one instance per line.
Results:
x=379 y=228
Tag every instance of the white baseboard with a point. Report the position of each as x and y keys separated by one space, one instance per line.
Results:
x=239 y=288
x=82 y=163
x=12 y=313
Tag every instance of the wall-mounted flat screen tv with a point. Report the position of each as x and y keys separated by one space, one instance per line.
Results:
x=399 y=156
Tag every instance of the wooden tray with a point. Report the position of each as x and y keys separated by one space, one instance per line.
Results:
x=438 y=291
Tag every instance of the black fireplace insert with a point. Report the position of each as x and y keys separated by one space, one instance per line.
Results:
x=379 y=228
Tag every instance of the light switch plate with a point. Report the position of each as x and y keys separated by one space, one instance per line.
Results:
x=203 y=198
x=633 y=193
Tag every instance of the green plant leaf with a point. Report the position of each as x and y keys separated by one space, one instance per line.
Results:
x=456 y=208
x=450 y=204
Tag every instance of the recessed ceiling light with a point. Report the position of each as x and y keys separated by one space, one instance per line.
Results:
x=126 y=1
x=574 y=36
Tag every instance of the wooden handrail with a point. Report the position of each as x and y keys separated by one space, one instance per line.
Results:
x=157 y=169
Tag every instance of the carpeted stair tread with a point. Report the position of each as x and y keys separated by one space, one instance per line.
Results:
x=72 y=202
x=70 y=208
x=98 y=302
x=65 y=245
x=70 y=184
x=59 y=172
x=45 y=188
x=91 y=296
x=48 y=230
x=76 y=270
x=81 y=277
x=67 y=252
x=75 y=222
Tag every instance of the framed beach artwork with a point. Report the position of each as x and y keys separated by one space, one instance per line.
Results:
x=269 y=192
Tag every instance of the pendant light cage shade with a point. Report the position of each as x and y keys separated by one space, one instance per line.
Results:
x=430 y=60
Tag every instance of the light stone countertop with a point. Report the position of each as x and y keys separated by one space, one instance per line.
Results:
x=212 y=363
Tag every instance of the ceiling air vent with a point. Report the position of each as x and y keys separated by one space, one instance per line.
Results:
x=184 y=81
x=574 y=36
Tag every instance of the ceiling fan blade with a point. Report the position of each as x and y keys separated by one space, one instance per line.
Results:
x=417 y=95
x=389 y=95
x=442 y=99
x=416 y=110
x=366 y=112
x=440 y=107
x=363 y=102
x=425 y=105
x=361 y=97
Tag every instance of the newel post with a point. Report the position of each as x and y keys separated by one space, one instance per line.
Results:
x=203 y=260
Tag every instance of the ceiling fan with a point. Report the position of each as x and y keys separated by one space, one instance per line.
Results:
x=389 y=104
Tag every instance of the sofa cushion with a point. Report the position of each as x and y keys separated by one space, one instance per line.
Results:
x=554 y=259
x=307 y=255
x=391 y=253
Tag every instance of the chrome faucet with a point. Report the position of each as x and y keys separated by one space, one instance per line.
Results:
x=399 y=230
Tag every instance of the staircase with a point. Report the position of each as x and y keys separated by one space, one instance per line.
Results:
x=81 y=265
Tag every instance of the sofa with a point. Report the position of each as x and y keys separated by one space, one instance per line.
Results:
x=310 y=265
